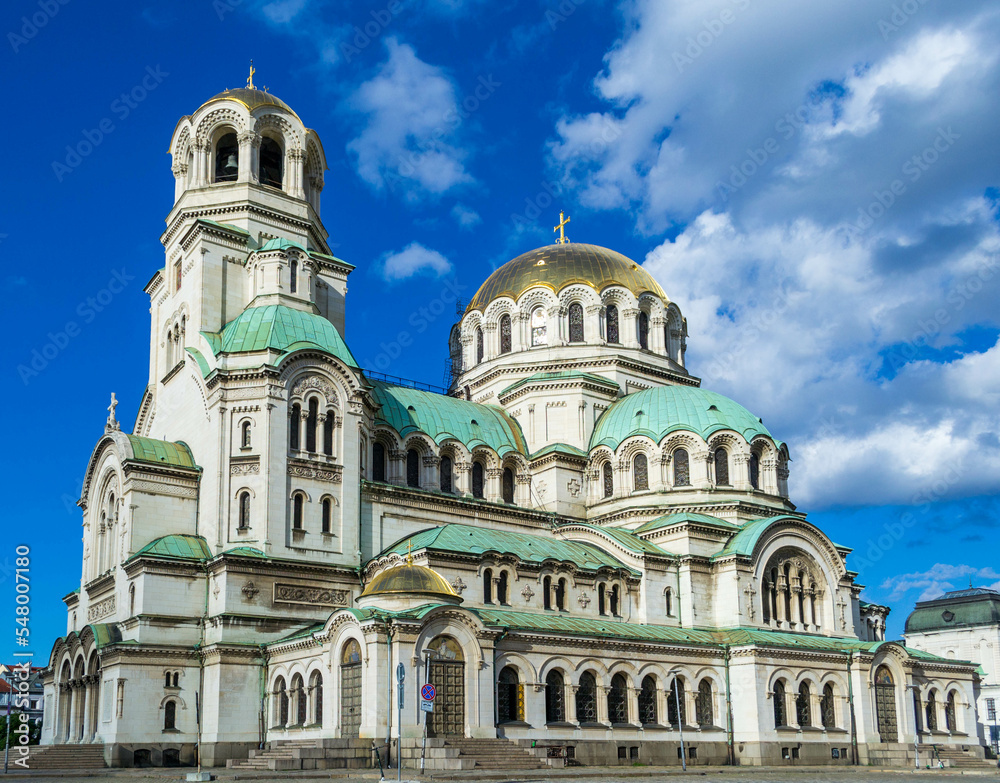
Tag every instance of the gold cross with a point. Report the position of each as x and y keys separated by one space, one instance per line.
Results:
x=409 y=553
x=250 y=77
x=563 y=239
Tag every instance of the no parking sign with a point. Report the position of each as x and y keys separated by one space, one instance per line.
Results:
x=427 y=694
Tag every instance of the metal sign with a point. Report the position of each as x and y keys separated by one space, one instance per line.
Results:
x=428 y=692
x=400 y=673
x=426 y=706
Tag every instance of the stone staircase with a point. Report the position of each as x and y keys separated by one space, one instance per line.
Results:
x=953 y=757
x=284 y=755
x=494 y=753
x=51 y=757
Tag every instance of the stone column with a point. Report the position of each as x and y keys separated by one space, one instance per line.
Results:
x=657 y=336
x=632 y=704
x=397 y=467
x=303 y=421
x=493 y=485
x=247 y=166
x=202 y=159
x=796 y=593
x=601 y=697
x=296 y=173
x=780 y=600
x=463 y=478
x=522 y=490
x=491 y=342
x=628 y=330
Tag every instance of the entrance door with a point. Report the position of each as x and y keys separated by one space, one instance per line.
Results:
x=350 y=690
x=447 y=674
x=885 y=705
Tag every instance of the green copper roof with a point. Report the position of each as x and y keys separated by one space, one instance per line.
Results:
x=105 y=634
x=245 y=551
x=202 y=363
x=561 y=375
x=627 y=539
x=559 y=448
x=283 y=329
x=658 y=412
x=677 y=519
x=958 y=609
x=466 y=539
x=280 y=243
x=161 y=452
x=441 y=417
x=746 y=539
x=226 y=226
x=177 y=547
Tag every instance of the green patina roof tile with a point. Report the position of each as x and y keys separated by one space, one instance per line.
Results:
x=561 y=375
x=559 y=448
x=626 y=538
x=202 y=363
x=177 y=547
x=467 y=539
x=161 y=452
x=280 y=243
x=658 y=412
x=245 y=551
x=746 y=539
x=441 y=417
x=279 y=328
x=226 y=226
x=675 y=519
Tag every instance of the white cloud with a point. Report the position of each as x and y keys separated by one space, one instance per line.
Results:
x=466 y=217
x=283 y=11
x=939 y=579
x=407 y=143
x=414 y=259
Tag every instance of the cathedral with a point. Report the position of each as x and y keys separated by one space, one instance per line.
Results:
x=592 y=559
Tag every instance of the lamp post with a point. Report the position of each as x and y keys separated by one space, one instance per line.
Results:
x=680 y=718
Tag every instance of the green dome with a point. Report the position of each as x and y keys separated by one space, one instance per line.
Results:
x=658 y=412
x=283 y=329
x=976 y=606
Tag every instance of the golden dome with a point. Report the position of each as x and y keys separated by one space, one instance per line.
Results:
x=557 y=266
x=251 y=98
x=409 y=579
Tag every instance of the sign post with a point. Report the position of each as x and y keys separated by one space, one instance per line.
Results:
x=400 y=676
x=427 y=713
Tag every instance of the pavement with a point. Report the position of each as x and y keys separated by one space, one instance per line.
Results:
x=574 y=774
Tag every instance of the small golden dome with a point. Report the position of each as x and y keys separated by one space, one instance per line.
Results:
x=557 y=266
x=251 y=98
x=409 y=579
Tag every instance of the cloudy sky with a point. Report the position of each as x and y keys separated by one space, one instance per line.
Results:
x=815 y=184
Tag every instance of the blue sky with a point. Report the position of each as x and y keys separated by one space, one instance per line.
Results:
x=814 y=184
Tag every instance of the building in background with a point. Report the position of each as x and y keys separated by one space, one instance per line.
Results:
x=11 y=685
x=964 y=625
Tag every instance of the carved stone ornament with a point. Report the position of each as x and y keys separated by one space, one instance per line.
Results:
x=583 y=600
x=313 y=596
x=101 y=609
x=315 y=382
x=458 y=585
x=334 y=473
x=527 y=594
x=249 y=590
x=574 y=487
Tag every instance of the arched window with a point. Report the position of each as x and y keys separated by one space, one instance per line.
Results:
x=245 y=435
x=611 y=324
x=617 y=703
x=293 y=282
x=676 y=709
x=949 y=713
x=507 y=485
x=505 y=333
x=586 y=699
x=682 y=468
x=704 y=711
x=576 y=323
x=931 y=711
x=510 y=696
x=477 y=480
x=316 y=691
x=780 y=717
x=609 y=479
x=613 y=601
x=446 y=474
x=602 y=598
x=640 y=472
x=378 y=462
x=721 y=467
x=328 y=424
x=280 y=703
x=293 y=427
x=131 y=600
x=561 y=595
x=166 y=679
x=327 y=515
x=803 y=705
x=488 y=586
x=647 y=701
x=547 y=592
x=299 y=694
x=643 y=330
x=827 y=708
x=668 y=600
x=227 y=159
x=297 y=508
x=244 y=510
x=170 y=716
x=755 y=471
x=555 y=697
x=270 y=163
x=311 y=423
x=480 y=349
x=502 y=587
x=412 y=468
x=538 y=327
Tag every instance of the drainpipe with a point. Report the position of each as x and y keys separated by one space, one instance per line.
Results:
x=262 y=719
x=850 y=701
x=680 y=616
x=730 y=751
x=201 y=666
x=388 y=694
